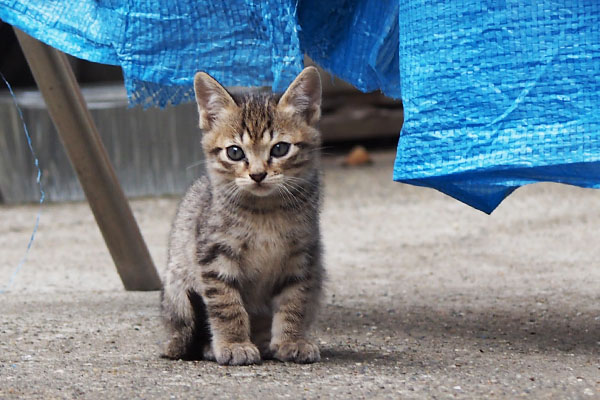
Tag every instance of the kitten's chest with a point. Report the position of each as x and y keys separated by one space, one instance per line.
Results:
x=266 y=247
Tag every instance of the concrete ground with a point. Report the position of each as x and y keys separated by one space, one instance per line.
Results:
x=427 y=298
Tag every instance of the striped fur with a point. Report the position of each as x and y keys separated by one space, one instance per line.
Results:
x=245 y=274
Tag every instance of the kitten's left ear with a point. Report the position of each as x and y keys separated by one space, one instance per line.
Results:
x=303 y=96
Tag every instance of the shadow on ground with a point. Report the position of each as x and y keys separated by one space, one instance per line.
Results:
x=552 y=331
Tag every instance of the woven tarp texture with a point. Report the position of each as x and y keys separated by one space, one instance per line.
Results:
x=499 y=94
x=357 y=40
x=162 y=44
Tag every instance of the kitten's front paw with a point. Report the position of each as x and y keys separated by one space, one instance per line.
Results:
x=300 y=351
x=237 y=354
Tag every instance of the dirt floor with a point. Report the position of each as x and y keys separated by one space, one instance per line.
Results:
x=427 y=298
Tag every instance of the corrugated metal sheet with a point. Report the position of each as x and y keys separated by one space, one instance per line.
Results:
x=153 y=151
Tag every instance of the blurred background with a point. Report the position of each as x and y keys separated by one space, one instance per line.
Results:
x=154 y=151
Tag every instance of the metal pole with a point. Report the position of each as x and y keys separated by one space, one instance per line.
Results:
x=79 y=135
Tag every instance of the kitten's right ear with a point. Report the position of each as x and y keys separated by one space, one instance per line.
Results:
x=212 y=98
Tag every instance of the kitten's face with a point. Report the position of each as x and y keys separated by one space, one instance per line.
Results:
x=260 y=145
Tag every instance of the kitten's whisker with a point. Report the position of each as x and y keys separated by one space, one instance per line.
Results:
x=197 y=163
x=298 y=187
x=288 y=199
x=319 y=149
x=296 y=193
x=230 y=193
x=295 y=180
x=303 y=180
x=304 y=192
x=282 y=194
x=296 y=203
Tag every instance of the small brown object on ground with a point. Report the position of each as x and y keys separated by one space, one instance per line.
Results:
x=357 y=156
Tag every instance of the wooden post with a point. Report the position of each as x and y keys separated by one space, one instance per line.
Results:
x=87 y=154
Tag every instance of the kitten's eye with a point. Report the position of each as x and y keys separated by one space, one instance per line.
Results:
x=280 y=149
x=235 y=153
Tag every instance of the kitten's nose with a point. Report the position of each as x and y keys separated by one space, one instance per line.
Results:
x=258 y=177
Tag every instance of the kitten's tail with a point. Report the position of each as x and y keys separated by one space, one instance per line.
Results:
x=190 y=340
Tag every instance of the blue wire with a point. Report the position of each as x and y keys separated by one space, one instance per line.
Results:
x=39 y=182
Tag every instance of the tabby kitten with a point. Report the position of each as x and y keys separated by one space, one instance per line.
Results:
x=245 y=271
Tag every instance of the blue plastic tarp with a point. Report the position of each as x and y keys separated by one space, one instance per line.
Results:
x=161 y=44
x=497 y=94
